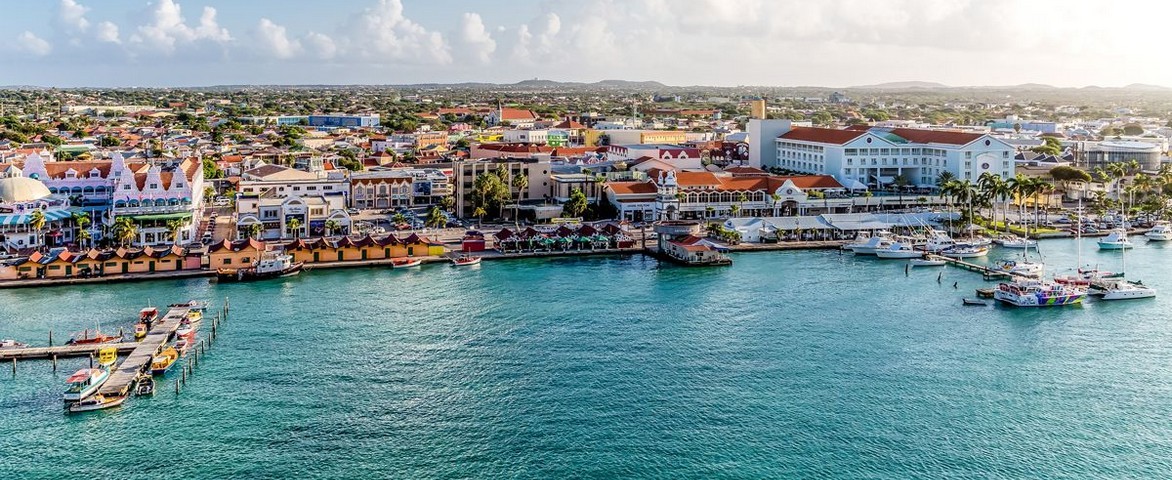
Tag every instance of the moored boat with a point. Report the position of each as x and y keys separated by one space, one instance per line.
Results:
x=1162 y=232
x=1116 y=240
x=84 y=383
x=974 y=302
x=270 y=265
x=97 y=402
x=870 y=245
x=899 y=250
x=140 y=331
x=98 y=337
x=1036 y=293
x=164 y=360
x=1120 y=289
x=148 y=315
x=145 y=385
x=1022 y=267
x=10 y=343
x=406 y=262
x=465 y=260
x=182 y=345
x=962 y=250
x=1014 y=241
x=928 y=261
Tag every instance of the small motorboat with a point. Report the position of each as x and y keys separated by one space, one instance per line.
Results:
x=97 y=402
x=84 y=383
x=1162 y=232
x=164 y=360
x=145 y=386
x=465 y=260
x=406 y=262
x=1023 y=267
x=10 y=343
x=186 y=329
x=1014 y=241
x=98 y=337
x=140 y=331
x=973 y=302
x=182 y=346
x=148 y=315
x=985 y=293
x=899 y=250
x=1116 y=240
x=928 y=262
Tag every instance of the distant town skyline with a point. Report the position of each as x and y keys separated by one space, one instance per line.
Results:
x=128 y=43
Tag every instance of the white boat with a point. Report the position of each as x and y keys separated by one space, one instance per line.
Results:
x=97 y=402
x=938 y=243
x=899 y=250
x=270 y=265
x=928 y=262
x=871 y=244
x=9 y=343
x=465 y=260
x=406 y=262
x=1014 y=241
x=1116 y=240
x=1123 y=290
x=961 y=250
x=84 y=383
x=1023 y=267
x=1036 y=293
x=1162 y=232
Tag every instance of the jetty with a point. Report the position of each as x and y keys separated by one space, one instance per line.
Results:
x=986 y=272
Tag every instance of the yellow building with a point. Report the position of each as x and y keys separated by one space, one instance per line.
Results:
x=757 y=108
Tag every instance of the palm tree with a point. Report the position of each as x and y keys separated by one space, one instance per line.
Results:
x=520 y=182
x=479 y=213
x=209 y=193
x=776 y=197
x=37 y=223
x=989 y=183
x=254 y=230
x=447 y=203
x=83 y=236
x=435 y=218
x=332 y=226
x=900 y=182
x=734 y=209
x=173 y=228
x=125 y=231
x=294 y=226
x=742 y=198
x=398 y=218
x=81 y=221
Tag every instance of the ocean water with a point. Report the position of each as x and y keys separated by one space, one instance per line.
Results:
x=785 y=365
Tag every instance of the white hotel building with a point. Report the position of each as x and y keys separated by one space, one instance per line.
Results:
x=874 y=156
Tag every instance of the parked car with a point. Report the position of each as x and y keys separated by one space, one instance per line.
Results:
x=352 y=211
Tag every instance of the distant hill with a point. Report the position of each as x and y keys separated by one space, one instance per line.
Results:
x=1147 y=87
x=900 y=86
x=1033 y=86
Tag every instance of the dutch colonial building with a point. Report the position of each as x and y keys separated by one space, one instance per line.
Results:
x=675 y=195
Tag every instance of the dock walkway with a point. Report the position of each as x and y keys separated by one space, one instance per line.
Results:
x=987 y=272
x=63 y=351
x=140 y=359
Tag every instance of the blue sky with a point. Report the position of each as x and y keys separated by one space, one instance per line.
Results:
x=679 y=42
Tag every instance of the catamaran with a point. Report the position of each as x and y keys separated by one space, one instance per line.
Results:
x=1037 y=293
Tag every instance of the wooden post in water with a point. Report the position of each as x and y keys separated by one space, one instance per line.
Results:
x=54 y=363
x=13 y=366
x=183 y=375
x=50 y=337
x=176 y=386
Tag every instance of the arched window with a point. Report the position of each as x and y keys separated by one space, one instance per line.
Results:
x=132 y=203
x=160 y=202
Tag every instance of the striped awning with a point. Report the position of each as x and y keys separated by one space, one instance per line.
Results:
x=25 y=218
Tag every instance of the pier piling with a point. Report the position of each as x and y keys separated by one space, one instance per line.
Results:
x=13 y=366
x=54 y=363
x=50 y=338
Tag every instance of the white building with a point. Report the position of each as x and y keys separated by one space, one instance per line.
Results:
x=275 y=215
x=877 y=156
x=540 y=137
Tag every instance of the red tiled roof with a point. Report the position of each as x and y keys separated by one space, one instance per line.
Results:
x=517 y=114
x=822 y=135
x=936 y=136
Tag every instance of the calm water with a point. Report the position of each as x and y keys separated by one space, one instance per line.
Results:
x=801 y=365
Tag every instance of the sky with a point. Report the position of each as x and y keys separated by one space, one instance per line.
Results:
x=832 y=43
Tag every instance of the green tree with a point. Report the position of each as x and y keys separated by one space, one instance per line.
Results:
x=521 y=183
x=1049 y=146
x=447 y=202
x=332 y=227
x=37 y=223
x=211 y=171
x=577 y=204
x=294 y=227
x=254 y=230
x=479 y=213
x=435 y=218
x=173 y=228
x=125 y=231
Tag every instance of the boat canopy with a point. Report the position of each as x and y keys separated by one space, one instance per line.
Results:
x=79 y=376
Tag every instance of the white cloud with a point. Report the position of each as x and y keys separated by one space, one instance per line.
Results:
x=538 y=41
x=71 y=15
x=107 y=32
x=320 y=45
x=32 y=44
x=383 y=33
x=273 y=41
x=475 y=41
x=168 y=29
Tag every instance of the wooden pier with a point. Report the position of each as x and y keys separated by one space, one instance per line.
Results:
x=123 y=378
x=986 y=272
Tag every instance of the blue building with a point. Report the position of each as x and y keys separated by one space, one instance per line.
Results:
x=343 y=120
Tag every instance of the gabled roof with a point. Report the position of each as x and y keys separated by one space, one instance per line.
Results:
x=918 y=135
x=632 y=188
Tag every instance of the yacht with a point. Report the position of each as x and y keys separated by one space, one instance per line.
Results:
x=868 y=245
x=1162 y=232
x=1022 y=267
x=1036 y=293
x=1116 y=240
x=1123 y=290
x=1014 y=241
x=964 y=250
x=938 y=243
x=899 y=250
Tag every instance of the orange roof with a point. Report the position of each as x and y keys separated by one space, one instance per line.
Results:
x=632 y=188
x=822 y=135
x=936 y=136
x=517 y=114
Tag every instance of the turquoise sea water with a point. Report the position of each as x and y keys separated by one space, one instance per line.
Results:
x=787 y=364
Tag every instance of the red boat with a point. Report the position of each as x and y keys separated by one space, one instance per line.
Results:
x=148 y=315
x=406 y=262
x=98 y=337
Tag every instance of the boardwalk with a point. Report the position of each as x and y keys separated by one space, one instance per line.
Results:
x=63 y=351
x=140 y=359
x=987 y=272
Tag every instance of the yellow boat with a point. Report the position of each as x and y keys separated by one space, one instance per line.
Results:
x=164 y=360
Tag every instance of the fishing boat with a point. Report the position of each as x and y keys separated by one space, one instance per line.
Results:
x=1120 y=289
x=140 y=331
x=1037 y=293
x=1116 y=240
x=963 y=250
x=10 y=343
x=84 y=338
x=465 y=260
x=1162 y=232
x=938 y=243
x=928 y=262
x=144 y=386
x=182 y=346
x=899 y=250
x=186 y=329
x=148 y=314
x=97 y=402
x=270 y=265
x=406 y=262
x=84 y=383
x=868 y=246
x=164 y=360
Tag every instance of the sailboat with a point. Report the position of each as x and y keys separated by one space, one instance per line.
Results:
x=1081 y=277
x=1120 y=288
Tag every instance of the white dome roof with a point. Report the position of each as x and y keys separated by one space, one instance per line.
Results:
x=22 y=189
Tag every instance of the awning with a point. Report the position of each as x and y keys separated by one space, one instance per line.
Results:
x=855 y=185
x=160 y=216
x=883 y=180
x=25 y=218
